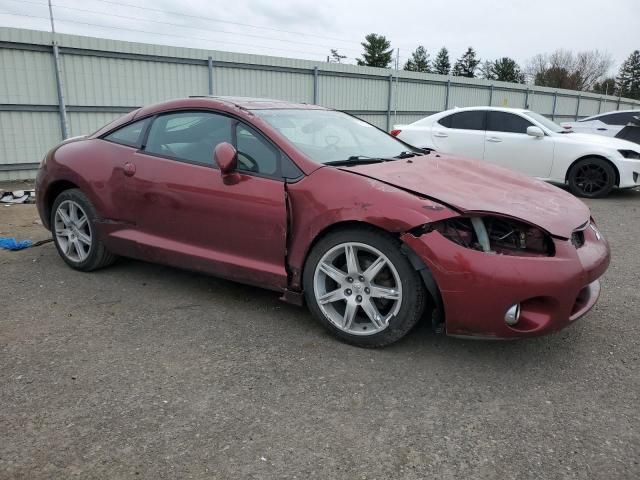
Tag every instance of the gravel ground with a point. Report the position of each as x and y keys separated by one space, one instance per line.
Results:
x=143 y=371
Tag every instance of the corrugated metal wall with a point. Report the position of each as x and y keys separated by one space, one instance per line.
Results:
x=102 y=79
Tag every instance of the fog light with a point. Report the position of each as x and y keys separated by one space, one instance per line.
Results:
x=513 y=314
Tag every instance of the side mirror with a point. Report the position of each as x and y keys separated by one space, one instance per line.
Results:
x=226 y=157
x=535 y=131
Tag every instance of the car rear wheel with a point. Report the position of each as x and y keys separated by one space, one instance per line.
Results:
x=591 y=178
x=361 y=287
x=74 y=232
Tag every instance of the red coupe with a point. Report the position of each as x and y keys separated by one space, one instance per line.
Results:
x=325 y=208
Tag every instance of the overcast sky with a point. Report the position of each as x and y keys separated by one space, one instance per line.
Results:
x=514 y=28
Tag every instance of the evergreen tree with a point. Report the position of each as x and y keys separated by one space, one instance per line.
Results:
x=466 y=65
x=377 y=51
x=605 y=87
x=628 y=80
x=336 y=57
x=419 y=61
x=441 y=63
x=486 y=70
x=506 y=69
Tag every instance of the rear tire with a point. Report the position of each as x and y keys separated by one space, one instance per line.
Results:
x=591 y=178
x=73 y=225
x=371 y=301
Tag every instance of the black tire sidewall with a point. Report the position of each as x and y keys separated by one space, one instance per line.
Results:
x=78 y=197
x=592 y=161
x=413 y=296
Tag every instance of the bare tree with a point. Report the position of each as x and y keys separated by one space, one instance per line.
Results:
x=566 y=69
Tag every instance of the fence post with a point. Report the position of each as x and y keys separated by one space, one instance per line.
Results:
x=490 y=94
x=315 y=85
x=578 y=108
x=210 y=65
x=64 y=128
x=526 y=99
x=600 y=105
x=389 y=102
x=555 y=102
x=446 y=98
x=618 y=106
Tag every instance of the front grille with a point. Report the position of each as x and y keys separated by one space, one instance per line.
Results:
x=577 y=238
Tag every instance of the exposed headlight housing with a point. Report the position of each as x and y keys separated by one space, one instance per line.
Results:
x=494 y=234
x=630 y=154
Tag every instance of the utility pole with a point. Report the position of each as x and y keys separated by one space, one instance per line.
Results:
x=53 y=27
x=395 y=103
x=62 y=108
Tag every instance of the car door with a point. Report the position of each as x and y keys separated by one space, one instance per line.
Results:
x=508 y=145
x=461 y=133
x=187 y=215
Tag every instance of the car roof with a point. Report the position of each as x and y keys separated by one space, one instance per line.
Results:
x=485 y=107
x=609 y=113
x=255 y=103
x=223 y=103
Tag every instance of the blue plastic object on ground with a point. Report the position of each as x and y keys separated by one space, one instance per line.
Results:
x=10 y=243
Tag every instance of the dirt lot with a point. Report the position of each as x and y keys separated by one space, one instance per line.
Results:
x=143 y=371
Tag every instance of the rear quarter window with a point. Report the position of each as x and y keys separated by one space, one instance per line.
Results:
x=470 y=120
x=129 y=135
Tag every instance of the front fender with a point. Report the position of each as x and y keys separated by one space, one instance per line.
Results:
x=329 y=198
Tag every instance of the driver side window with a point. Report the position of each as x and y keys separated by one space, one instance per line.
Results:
x=254 y=153
x=188 y=136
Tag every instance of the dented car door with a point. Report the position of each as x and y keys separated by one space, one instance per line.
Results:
x=188 y=215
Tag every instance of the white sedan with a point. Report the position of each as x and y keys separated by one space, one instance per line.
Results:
x=527 y=142
x=608 y=124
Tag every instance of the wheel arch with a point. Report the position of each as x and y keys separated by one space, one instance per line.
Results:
x=53 y=191
x=428 y=280
x=600 y=157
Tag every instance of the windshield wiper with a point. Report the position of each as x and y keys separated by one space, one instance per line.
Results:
x=406 y=154
x=356 y=160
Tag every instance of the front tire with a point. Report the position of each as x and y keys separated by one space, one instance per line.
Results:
x=75 y=234
x=361 y=287
x=591 y=178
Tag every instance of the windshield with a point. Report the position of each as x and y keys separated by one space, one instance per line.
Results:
x=328 y=136
x=546 y=123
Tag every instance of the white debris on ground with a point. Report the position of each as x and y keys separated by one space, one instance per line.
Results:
x=17 y=196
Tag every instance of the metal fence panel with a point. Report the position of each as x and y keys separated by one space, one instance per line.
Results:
x=91 y=80
x=541 y=103
x=27 y=77
x=103 y=78
x=297 y=87
x=84 y=123
x=26 y=136
x=507 y=98
x=589 y=106
x=354 y=93
x=420 y=97
x=468 y=96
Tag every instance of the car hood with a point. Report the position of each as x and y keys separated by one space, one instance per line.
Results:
x=599 y=140
x=473 y=186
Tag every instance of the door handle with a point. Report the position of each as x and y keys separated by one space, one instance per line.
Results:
x=129 y=169
x=494 y=139
x=440 y=135
x=602 y=129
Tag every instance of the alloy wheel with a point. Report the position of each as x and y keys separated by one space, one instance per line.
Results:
x=357 y=288
x=591 y=178
x=73 y=231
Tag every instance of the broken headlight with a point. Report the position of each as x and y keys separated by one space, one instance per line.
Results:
x=493 y=234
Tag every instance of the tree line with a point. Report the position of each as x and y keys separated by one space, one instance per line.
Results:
x=584 y=71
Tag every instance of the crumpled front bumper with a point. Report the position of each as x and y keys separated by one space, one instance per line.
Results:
x=478 y=288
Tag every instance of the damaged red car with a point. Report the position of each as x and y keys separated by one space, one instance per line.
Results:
x=329 y=210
